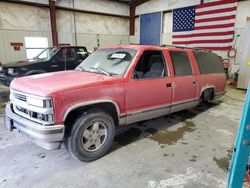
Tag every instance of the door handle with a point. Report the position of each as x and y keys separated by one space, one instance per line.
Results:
x=194 y=81
x=168 y=85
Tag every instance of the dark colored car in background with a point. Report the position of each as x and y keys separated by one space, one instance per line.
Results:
x=49 y=60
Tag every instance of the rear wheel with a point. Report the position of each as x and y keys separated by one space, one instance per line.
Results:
x=208 y=95
x=91 y=136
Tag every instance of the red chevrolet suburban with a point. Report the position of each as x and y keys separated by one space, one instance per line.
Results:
x=114 y=86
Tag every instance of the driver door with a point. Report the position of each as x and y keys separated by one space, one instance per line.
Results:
x=149 y=91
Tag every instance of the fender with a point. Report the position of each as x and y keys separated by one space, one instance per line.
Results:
x=86 y=103
x=207 y=87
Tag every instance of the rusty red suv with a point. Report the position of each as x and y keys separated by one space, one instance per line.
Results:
x=114 y=86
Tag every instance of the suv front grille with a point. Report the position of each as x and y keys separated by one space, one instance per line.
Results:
x=43 y=115
x=20 y=97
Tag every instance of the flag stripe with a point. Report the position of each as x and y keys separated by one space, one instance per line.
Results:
x=214 y=26
x=215 y=19
x=215 y=15
x=204 y=38
x=216 y=7
x=203 y=41
x=211 y=4
x=217 y=48
x=215 y=11
x=205 y=31
x=215 y=23
x=212 y=45
x=204 y=34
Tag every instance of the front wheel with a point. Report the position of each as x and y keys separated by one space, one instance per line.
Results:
x=91 y=135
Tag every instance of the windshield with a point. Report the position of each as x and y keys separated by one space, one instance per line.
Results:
x=47 y=53
x=109 y=61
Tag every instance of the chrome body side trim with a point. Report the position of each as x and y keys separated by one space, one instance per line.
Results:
x=183 y=105
x=159 y=111
x=147 y=114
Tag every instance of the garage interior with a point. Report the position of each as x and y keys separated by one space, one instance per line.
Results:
x=190 y=148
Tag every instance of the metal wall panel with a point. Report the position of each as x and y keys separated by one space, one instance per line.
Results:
x=88 y=40
x=7 y=53
x=244 y=74
x=107 y=40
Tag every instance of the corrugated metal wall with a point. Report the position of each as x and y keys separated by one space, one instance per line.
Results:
x=92 y=30
x=7 y=52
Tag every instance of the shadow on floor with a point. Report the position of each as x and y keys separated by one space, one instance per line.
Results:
x=157 y=129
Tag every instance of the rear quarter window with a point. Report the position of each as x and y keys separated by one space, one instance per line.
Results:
x=181 y=63
x=208 y=62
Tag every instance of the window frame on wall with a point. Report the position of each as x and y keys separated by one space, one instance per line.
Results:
x=35 y=45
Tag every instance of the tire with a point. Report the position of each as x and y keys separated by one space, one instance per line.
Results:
x=208 y=95
x=91 y=136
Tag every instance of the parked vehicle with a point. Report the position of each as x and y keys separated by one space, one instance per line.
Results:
x=112 y=87
x=49 y=60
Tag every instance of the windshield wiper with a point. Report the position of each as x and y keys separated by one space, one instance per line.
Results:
x=101 y=70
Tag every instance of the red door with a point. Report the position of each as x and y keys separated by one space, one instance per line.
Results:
x=184 y=81
x=149 y=91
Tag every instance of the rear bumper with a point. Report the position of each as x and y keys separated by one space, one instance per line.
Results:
x=48 y=137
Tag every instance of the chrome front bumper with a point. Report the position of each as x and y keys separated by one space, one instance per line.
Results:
x=48 y=137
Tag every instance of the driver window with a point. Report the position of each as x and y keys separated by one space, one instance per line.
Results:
x=150 y=65
x=69 y=53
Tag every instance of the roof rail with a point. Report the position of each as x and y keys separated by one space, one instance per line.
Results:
x=183 y=47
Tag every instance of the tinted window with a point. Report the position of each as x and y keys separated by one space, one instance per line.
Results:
x=181 y=63
x=208 y=62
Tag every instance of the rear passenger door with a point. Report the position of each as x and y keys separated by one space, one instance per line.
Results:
x=184 y=81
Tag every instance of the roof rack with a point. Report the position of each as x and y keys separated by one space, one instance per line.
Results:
x=183 y=47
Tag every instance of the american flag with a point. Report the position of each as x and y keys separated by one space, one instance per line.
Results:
x=209 y=25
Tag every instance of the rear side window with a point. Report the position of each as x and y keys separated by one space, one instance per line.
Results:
x=181 y=63
x=208 y=62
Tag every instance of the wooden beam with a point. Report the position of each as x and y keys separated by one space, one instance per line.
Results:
x=52 y=11
x=136 y=3
x=132 y=7
x=132 y=20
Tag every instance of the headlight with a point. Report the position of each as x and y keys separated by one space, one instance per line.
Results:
x=11 y=71
x=35 y=102
x=43 y=103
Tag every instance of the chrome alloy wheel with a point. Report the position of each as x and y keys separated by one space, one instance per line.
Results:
x=94 y=136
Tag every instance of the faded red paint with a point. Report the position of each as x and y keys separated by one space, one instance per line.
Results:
x=68 y=88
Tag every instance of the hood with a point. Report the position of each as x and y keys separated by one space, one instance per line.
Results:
x=58 y=82
x=19 y=63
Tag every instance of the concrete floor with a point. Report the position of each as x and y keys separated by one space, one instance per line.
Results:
x=190 y=148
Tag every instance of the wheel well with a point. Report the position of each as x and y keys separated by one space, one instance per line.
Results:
x=208 y=94
x=108 y=107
